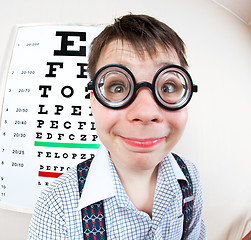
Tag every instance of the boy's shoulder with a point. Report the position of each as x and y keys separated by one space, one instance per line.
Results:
x=195 y=177
x=193 y=171
x=188 y=163
x=65 y=186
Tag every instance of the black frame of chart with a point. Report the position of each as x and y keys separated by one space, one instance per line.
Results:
x=46 y=123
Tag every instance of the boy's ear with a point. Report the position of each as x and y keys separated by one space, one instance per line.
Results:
x=92 y=101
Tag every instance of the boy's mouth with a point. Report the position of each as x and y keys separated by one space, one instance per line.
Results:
x=142 y=143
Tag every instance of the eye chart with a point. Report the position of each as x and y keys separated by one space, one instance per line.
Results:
x=46 y=121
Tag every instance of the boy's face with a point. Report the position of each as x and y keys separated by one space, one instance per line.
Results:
x=141 y=134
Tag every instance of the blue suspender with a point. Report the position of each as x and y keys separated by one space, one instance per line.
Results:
x=188 y=198
x=93 y=215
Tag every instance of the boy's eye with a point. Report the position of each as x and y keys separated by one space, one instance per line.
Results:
x=116 y=88
x=169 y=87
x=114 y=85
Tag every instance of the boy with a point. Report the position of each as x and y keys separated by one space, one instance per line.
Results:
x=140 y=90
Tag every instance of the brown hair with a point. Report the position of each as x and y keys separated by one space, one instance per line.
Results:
x=143 y=32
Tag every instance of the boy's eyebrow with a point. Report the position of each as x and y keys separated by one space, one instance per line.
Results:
x=159 y=65
x=162 y=64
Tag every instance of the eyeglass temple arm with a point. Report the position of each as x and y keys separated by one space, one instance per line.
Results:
x=194 y=88
x=90 y=85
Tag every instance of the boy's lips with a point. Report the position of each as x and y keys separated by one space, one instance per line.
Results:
x=142 y=143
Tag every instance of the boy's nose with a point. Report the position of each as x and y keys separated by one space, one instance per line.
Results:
x=144 y=109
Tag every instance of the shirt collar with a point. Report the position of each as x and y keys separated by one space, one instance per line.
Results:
x=176 y=168
x=99 y=182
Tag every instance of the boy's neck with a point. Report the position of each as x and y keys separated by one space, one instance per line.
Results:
x=139 y=186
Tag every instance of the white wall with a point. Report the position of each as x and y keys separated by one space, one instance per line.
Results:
x=217 y=137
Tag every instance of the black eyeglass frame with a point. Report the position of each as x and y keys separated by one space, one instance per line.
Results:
x=93 y=85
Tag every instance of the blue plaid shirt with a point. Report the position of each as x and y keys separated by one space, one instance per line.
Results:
x=58 y=211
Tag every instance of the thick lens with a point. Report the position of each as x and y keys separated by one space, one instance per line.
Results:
x=172 y=87
x=113 y=86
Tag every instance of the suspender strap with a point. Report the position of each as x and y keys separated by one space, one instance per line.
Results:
x=188 y=198
x=92 y=216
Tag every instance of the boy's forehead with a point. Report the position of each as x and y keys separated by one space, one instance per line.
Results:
x=118 y=50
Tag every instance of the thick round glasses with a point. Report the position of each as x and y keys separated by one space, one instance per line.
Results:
x=115 y=87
